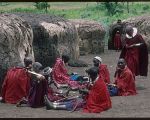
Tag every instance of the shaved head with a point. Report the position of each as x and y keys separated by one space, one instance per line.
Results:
x=121 y=63
x=129 y=30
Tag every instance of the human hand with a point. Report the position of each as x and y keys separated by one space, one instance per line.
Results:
x=129 y=46
x=40 y=77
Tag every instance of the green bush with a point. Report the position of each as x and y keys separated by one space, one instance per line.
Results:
x=42 y=5
x=146 y=7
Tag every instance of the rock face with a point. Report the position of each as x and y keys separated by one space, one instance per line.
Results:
x=91 y=36
x=16 y=38
x=143 y=25
x=53 y=36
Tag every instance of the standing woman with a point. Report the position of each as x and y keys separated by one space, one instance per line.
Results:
x=135 y=52
x=117 y=41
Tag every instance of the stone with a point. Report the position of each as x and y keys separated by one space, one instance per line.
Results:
x=53 y=36
x=91 y=36
x=16 y=37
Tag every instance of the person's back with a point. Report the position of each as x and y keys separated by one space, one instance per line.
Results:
x=38 y=87
x=104 y=73
x=59 y=72
x=60 y=75
x=103 y=70
x=16 y=85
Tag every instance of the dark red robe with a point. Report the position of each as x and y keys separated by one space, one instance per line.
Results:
x=37 y=92
x=136 y=57
x=104 y=73
x=16 y=85
x=125 y=82
x=60 y=74
x=117 y=41
x=98 y=99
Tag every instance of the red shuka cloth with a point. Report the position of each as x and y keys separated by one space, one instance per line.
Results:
x=117 y=41
x=104 y=73
x=60 y=74
x=125 y=83
x=136 y=57
x=98 y=99
x=16 y=85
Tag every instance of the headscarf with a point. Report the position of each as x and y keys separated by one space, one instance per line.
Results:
x=98 y=58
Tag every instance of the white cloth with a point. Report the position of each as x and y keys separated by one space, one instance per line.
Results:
x=98 y=58
x=134 y=33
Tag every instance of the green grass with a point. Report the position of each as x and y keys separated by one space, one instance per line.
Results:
x=81 y=10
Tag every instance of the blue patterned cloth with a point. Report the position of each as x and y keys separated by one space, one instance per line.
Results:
x=113 y=90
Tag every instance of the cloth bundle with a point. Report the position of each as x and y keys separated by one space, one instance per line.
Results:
x=113 y=90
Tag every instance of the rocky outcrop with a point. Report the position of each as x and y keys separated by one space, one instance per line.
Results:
x=53 y=36
x=16 y=38
x=91 y=36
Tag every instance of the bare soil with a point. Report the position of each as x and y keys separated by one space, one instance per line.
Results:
x=130 y=107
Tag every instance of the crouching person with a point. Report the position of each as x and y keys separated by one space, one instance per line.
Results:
x=98 y=98
x=38 y=87
x=124 y=79
x=37 y=90
x=17 y=82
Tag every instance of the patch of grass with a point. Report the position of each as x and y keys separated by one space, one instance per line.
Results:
x=82 y=10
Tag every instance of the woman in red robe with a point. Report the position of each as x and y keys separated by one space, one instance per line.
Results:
x=60 y=74
x=135 y=52
x=103 y=70
x=16 y=83
x=98 y=98
x=124 y=79
x=117 y=41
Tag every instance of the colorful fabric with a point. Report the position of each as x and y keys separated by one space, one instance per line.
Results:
x=59 y=72
x=75 y=77
x=125 y=82
x=16 y=85
x=61 y=76
x=113 y=90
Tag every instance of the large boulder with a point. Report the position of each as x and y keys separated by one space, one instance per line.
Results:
x=91 y=36
x=16 y=38
x=53 y=36
x=143 y=25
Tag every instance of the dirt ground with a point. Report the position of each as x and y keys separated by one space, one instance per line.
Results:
x=130 y=107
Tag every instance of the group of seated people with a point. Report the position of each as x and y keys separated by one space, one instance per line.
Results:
x=28 y=84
